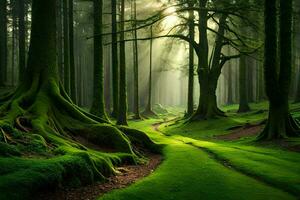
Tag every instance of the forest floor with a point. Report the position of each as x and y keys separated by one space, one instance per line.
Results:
x=213 y=159
x=217 y=159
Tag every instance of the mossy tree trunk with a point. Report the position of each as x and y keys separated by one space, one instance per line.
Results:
x=190 y=106
x=41 y=106
x=280 y=123
x=122 y=115
x=98 y=106
x=115 y=59
x=243 y=89
x=3 y=42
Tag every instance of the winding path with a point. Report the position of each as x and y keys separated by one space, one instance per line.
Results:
x=189 y=173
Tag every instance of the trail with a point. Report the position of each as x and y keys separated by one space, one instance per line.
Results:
x=189 y=173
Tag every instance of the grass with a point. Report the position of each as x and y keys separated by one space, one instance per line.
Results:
x=197 y=166
x=190 y=173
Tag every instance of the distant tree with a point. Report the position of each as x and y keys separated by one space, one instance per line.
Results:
x=71 y=51
x=22 y=38
x=136 y=99
x=115 y=59
x=280 y=123
x=243 y=86
x=148 y=109
x=190 y=106
x=122 y=111
x=98 y=105
x=3 y=42
x=66 y=46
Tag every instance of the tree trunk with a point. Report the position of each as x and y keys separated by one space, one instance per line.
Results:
x=280 y=123
x=115 y=59
x=98 y=106
x=122 y=115
x=190 y=106
x=3 y=42
x=41 y=106
x=230 y=87
x=59 y=18
x=208 y=75
x=22 y=36
x=136 y=99
x=71 y=50
x=66 y=47
x=243 y=82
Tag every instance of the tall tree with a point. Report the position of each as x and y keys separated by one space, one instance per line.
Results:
x=136 y=99
x=22 y=38
x=190 y=106
x=3 y=41
x=42 y=103
x=98 y=105
x=59 y=18
x=122 y=115
x=66 y=47
x=148 y=110
x=243 y=86
x=115 y=59
x=71 y=51
x=280 y=123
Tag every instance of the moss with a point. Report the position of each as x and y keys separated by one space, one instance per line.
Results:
x=8 y=150
x=141 y=139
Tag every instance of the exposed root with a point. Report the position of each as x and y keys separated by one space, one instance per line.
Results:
x=45 y=114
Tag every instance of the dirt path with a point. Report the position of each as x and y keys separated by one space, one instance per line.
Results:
x=245 y=131
x=128 y=175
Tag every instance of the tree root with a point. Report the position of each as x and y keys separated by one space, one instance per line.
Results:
x=47 y=111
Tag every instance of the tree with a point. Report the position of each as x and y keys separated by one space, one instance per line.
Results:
x=122 y=115
x=243 y=86
x=136 y=99
x=66 y=47
x=280 y=123
x=98 y=106
x=114 y=56
x=148 y=110
x=41 y=106
x=190 y=106
x=71 y=51
x=22 y=38
x=3 y=42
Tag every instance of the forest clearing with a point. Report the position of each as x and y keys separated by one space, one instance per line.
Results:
x=149 y=99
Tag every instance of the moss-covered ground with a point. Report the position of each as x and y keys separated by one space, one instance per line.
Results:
x=197 y=165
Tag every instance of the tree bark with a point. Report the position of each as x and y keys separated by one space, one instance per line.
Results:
x=243 y=82
x=208 y=75
x=190 y=106
x=280 y=122
x=136 y=99
x=115 y=60
x=66 y=47
x=71 y=51
x=122 y=115
x=22 y=36
x=3 y=42
x=98 y=106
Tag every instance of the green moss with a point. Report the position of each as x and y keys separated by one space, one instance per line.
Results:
x=8 y=150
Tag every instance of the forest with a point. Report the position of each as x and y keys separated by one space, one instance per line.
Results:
x=149 y=99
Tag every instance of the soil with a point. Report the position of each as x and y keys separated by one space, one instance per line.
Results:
x=128 y=175
x=245 y=131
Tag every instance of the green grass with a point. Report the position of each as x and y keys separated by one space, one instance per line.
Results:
x=190 y=173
